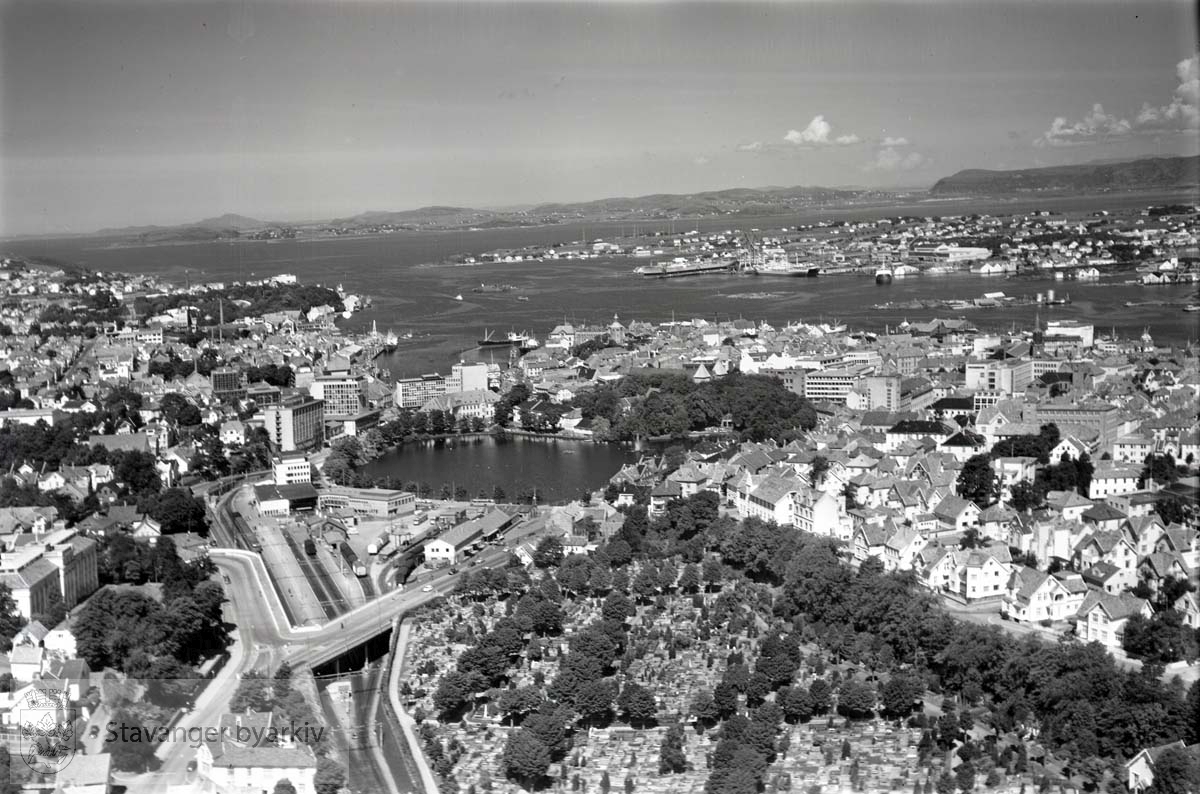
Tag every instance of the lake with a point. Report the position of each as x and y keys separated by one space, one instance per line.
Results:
x=559 y=470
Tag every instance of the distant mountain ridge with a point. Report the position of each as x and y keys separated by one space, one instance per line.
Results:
x=1145 y=173
x=228 y=221
x=657 y=206
x=746 y=200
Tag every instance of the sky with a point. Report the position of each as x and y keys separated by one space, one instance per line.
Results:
x=130 y=113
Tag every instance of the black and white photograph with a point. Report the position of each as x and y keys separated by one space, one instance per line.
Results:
x=599 y=397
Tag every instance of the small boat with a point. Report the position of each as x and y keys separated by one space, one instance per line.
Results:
x=522 y=297
x=1192 y=307
x=883 y=275
x=458 y=297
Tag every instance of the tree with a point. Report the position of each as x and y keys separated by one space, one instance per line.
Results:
x=1170 y=508
x=178 y=511
x=689 y=579
x=284 y=786
x=549 y=552
x=330 y=777
x=671 y=758
x=796 y=703
x=128 y=742
x=594 y=701
x=818 y=692
x=964 y=776
x=281 y=682
x=1192 y=711
x=617 y=607
x=516 y=703
x=977 y=481
x=526 y=758
x=1026 y=496
x=254 y=693
x=457 y=688
x=637 y=705
x=899 y=694
x=820 y=465
x=856 y=700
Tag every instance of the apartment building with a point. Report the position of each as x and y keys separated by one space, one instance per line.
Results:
x=415 y=392
x=1009 y=376
x=296 y=424
x=344 y=395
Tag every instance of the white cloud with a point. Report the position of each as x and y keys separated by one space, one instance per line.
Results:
x=894 y=142
x=1096 y=126
x=1182 y=111
x=1180 y=114
x=753 y=146
x=819 y=132
x=889 y=159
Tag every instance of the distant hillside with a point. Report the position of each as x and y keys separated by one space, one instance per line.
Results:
x=209 y=228
x=746 y=202
x=230 y=221
x=419 y=216
x=742 y=200
x=1154 y=172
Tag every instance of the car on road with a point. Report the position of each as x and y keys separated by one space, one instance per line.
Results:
x=475 y=562
x=453 y=569
x=191 y=767
x=226 y=578
x=94 y=732
x=427 y=588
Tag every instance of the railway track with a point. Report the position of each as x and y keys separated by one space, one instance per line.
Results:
x=319 y=581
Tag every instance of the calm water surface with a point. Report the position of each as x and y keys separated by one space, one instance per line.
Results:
x=558 y=470
x=413 y=295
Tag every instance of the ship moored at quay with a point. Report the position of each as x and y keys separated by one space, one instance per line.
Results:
x=680 y=267
x=512 y=339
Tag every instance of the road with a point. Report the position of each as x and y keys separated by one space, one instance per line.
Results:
x=249 y=650
x=265 y=638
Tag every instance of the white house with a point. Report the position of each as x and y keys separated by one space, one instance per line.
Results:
x=1102 y=617
x=243 y=761
x=956 y=514
x=1032 y=595
x=1070 y=505
x=1140 y=768
x=1111 y=479
x=772 y=501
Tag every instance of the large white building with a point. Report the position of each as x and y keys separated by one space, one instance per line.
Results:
x=291 y=469
x=1009 y=376
x=343 y=395
x=243 y=761
x=415 y=392
x=1085 y=333
x=297 y=423
x=62 y=562
x=467 y=377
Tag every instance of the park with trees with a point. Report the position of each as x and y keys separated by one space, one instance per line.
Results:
x=776 y=630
